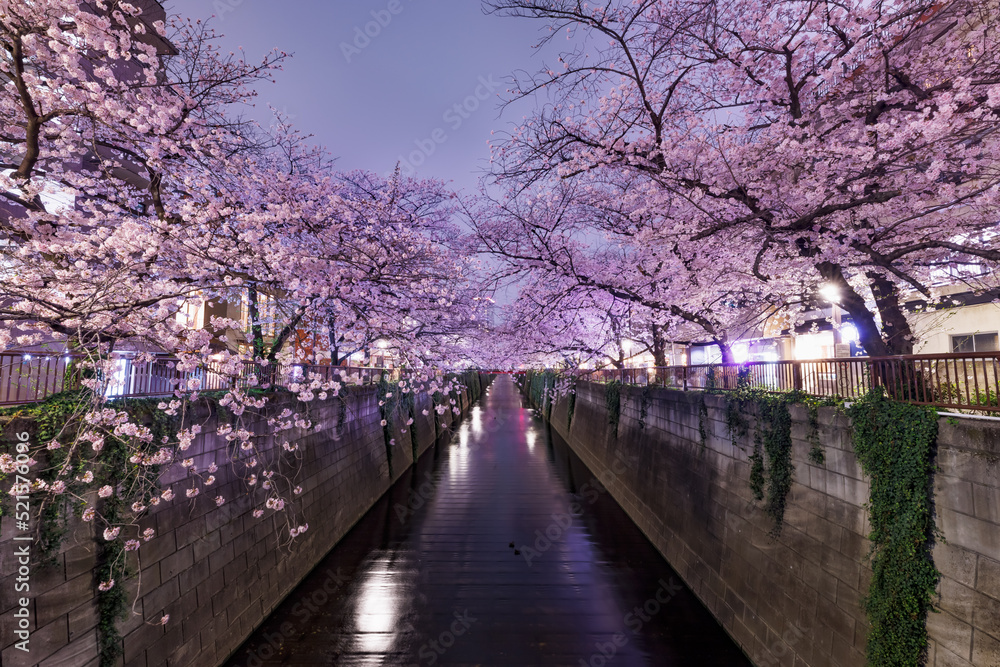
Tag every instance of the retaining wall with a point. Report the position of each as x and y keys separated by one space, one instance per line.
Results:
x=217 y=571
x=795 y=600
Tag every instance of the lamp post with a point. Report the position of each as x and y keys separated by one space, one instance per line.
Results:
x=831 y=293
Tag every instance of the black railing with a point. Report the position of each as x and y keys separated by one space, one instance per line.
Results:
x=955 y=381
x=31 y=377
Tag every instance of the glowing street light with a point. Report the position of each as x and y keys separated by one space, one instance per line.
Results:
x=830 y=292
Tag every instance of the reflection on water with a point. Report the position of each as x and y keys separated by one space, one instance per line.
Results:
x=583 y=582
x=476 y=420
x=377 y=609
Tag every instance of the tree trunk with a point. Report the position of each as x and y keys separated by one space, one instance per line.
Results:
x=286 y=332
x=256 y=331
x=726 y=350
x=854 y=304
x=334 y=345
x=659 y=347
x=899 y=335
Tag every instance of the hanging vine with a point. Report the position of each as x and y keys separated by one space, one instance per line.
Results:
x=613 y=402
x=571 y=408
x=644 y=405
x=895 y=443
x=702 y=421
x=771 y=466
x=817 y=454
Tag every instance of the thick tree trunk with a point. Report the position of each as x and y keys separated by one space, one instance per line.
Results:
x=659 y=347
x=899 y=335
x=256 y=330
x=726 y=350
x=286 y=332
x=334 y=344
x=854 y=304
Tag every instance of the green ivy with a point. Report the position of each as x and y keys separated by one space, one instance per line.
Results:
x=117 y=471
x=702 y=421
x=112 y=604
x=757 y=478
x=57 y=418
x=777 y=439
x=412 y=428
x=613 y=401
x=895 y=443
x=817 y=454
x=550 y=386
x=736 y=421
x=771 y=466
x=342 y=396
x=392 y=402
x=571 y=409
x=644 y=405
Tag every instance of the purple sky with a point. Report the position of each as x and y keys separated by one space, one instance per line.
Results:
x=395 y=96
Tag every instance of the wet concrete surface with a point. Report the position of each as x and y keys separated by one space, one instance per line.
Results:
x=428 y=576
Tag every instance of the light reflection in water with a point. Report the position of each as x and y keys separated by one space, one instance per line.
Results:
x=378 y=609
x=458 y=456
x=532 y=437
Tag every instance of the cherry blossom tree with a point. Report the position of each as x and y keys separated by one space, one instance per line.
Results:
x=813 y=143
x=131 y=186
x=596 y=249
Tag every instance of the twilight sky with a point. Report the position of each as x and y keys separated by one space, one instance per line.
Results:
x=375 y=100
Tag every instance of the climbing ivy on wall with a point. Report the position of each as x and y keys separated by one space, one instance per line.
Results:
x=757 y=479
x=775 y=423
x=702 y=421
x=816 y=453
x=613 y=401
x=644 y=405
x=895 y=443
x=571 y=408
x=736 y=419
x=771 y=466
x=57 y=419
x=394 y=400
x=551 y=378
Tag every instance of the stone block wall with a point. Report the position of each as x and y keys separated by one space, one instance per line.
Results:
x=217 y=571
x=794 y=600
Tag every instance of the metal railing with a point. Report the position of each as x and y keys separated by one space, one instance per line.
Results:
x=27 y=378
x=955 y=381
x=32 y=377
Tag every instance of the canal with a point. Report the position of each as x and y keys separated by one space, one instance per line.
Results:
x=429 y=577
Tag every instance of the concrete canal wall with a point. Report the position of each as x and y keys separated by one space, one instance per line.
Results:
x=795 y=600
x=217 y=571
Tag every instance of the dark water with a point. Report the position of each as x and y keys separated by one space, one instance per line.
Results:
x=428 y=577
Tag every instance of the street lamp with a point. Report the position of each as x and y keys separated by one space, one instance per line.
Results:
x=831 y=293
